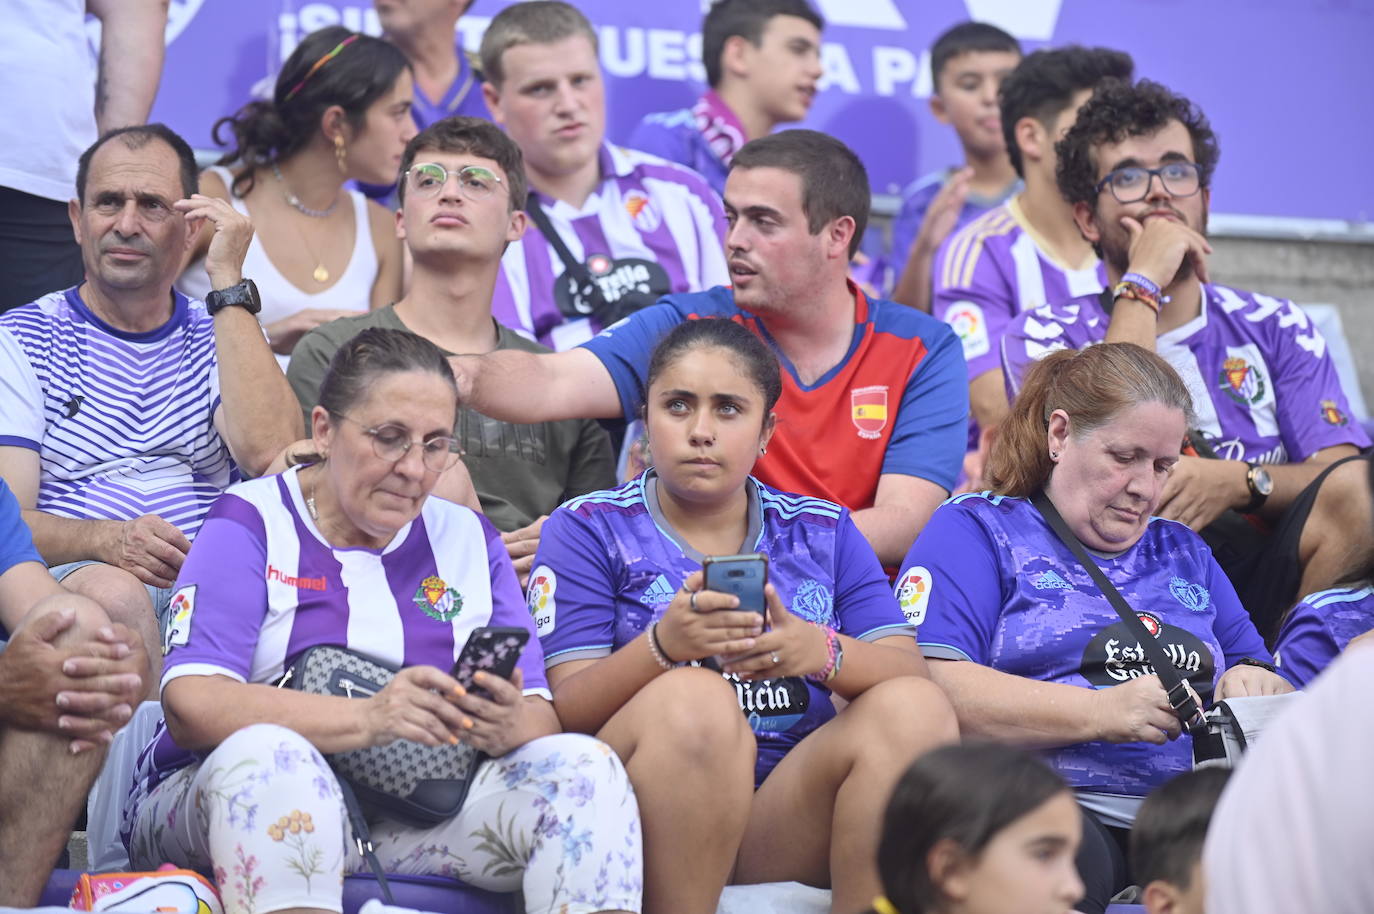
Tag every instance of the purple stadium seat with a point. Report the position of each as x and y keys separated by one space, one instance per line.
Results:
x=1125 y=909
x=58 y=892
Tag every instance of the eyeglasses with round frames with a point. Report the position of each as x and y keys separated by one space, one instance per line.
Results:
x=428 y=179
x=392 y=442
x=1132 y=183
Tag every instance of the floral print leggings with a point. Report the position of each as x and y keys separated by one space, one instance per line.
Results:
x=263 y=812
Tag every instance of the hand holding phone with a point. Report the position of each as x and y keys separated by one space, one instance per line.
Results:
x=743 y=576
x=491 y=649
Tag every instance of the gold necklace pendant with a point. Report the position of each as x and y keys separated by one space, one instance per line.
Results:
x=321 y=274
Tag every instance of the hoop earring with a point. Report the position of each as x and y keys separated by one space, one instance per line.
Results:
x=341 y=154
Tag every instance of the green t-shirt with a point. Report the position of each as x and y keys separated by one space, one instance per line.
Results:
x=520 y=471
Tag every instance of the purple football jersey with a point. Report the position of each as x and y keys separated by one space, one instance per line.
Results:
x=463 y=96
x=993 y=269
x=1264 y=388
x=609 y=564
x=704 y=137
x=989 y=582
x=1319 y=628
x=916 y=199
x=652 y=228
x=262 y=585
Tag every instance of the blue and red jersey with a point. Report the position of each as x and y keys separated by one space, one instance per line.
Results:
x=896 y=403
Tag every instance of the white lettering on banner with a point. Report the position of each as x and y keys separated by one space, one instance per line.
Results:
x=626 y=62
x=837 y=71
x=667 y=57
x=674 y=55
x=890 y=67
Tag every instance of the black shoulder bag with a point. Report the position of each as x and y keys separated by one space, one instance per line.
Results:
x=1181 y=699
x=586 y=289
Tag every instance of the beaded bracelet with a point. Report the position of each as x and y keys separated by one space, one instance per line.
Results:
x=1145 y=282
x=1138 y=293
x=833 y=656
x=656 y=649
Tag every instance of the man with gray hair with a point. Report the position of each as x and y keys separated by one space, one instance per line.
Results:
x=612 y=229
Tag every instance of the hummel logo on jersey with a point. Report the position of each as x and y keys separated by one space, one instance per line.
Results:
x=1050 y=580
x=658 y=593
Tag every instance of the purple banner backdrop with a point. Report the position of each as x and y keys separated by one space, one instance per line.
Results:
x=1284 y=82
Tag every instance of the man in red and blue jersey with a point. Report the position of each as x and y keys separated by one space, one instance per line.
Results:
x=874 y=407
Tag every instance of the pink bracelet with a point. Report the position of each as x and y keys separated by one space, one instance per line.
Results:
x=832 y=649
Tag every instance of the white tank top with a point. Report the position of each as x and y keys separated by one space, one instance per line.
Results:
x=280 y=297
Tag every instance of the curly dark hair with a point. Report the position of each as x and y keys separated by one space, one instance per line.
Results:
x=1118 y=110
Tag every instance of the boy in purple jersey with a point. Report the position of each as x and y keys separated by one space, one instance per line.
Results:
x=611 y=229
x=619 y=597
x=1027 y=252
x=446 y=80
x=1137 y=168
x=763 y=59
x=967 y=65
x=1027 y=646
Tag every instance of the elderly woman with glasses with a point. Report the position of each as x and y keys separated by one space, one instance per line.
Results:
x=350 y=551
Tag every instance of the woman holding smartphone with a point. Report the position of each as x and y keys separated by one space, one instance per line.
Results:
x=752 y=776
x=351 y=551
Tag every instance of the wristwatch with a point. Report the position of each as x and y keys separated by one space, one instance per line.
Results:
x=1261 y=485
x=244 y=295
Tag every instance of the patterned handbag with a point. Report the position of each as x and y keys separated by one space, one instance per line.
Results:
x=405 y=780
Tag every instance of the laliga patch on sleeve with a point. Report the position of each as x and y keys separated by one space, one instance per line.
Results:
x=913 y=593
x=971 y=327
x=179 y=611
x=539 y=598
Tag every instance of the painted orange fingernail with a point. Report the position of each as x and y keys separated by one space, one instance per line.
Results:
x=467 y=724
x=459 y=691
x=453 y=740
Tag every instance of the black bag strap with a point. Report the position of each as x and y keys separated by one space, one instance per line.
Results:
x=362 y=837
x=1180 y=697
x=588 y=288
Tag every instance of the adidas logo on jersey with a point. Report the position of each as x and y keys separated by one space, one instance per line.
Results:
x=659 y=593
x=1050 y=580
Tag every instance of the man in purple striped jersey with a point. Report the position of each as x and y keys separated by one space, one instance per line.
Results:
x=1137 y=169
x=1026 y=252
x=612 y=229
x=126 y=408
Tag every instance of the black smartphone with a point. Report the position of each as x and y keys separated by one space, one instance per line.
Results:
x=491 y=649
x=741 y=575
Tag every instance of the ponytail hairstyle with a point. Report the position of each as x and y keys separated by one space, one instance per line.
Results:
x=963 y=793
x=323 y=71
x=1092 y=386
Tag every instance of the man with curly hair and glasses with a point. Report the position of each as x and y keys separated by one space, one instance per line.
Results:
x=1265 y=486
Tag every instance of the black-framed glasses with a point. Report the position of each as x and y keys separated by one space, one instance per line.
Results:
x=1132 y=183
x=392 y=442
x=427 y=179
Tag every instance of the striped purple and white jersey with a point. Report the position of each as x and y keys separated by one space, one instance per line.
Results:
x=1263 y=386
x=123 y=422
x=261 y=585
x=650 y=229
x=993 y=269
